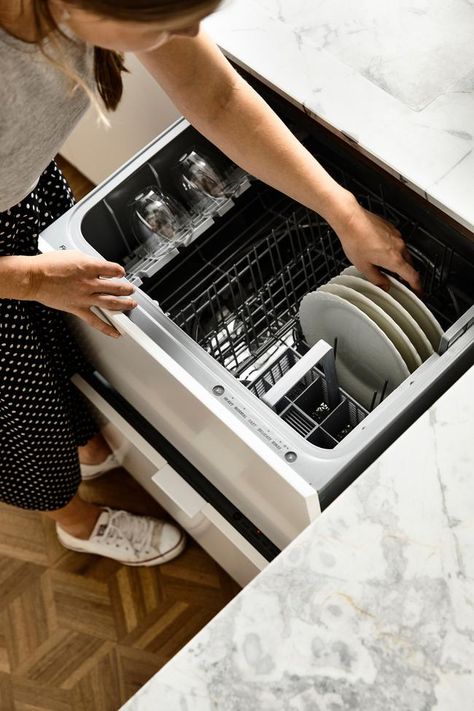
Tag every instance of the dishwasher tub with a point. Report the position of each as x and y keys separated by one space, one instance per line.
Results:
x=216 y=328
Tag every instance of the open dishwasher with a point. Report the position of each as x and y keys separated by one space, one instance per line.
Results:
x=216 y=330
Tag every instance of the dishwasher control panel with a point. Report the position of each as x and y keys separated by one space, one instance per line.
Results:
x=264 y=433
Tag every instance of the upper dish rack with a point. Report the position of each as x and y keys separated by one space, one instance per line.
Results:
x=139 y=264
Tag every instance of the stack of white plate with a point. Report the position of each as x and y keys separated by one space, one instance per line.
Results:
x=382 y=336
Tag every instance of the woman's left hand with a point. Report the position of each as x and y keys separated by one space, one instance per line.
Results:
x=372 y=243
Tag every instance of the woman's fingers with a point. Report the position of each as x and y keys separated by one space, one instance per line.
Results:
x=402 y=268
x=107 y=269
x=112 y=303
x=407 y=256
x=372 y=243
x=374 y=275
x=410 y=275
x=96 y=322
x=112 y=286
x=401 y=263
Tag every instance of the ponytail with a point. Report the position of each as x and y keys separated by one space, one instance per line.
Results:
x=108 y=68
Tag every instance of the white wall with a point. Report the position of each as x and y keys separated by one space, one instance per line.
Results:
x=144 y=112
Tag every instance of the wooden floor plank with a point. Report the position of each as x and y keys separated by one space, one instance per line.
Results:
x=136 y=667
x=32 y=696
x=5 y=667
x=83 y=605
x=67 y=660
x=7 y=702
x=22 y=536
x=15 y=577
x=30 y=620
x=100 y=689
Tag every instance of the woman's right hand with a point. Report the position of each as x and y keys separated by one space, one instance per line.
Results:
x=74 y=282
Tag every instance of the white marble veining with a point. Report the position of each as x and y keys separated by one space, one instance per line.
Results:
x=372 y=607
x=397 y=77
x=415 y=50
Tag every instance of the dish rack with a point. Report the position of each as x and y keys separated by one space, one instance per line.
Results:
x=138 y=263
x=241 y=303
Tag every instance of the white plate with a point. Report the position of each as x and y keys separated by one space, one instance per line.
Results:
x=365 y=357
x=399 y=339
x=415 y=307
x=391 y=307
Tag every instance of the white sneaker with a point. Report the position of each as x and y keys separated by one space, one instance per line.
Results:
x=129 y=539
x=92 y=471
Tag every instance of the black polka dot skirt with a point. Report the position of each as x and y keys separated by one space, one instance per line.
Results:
x=43 y=417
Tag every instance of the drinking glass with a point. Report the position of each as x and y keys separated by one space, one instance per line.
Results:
x=159 y=221
x=200 y=181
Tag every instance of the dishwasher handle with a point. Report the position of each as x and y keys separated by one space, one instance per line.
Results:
x=320 y=352
x=117 y=319
x=124 y=321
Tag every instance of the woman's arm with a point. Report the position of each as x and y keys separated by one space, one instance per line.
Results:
x=15 y=277
x=68 y=281
x=224 y=108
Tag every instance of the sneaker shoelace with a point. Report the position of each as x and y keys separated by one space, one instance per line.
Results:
x=137 y=530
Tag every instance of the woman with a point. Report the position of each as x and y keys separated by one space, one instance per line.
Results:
x=47 y=52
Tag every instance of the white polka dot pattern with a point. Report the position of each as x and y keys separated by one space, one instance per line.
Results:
x=43 y=418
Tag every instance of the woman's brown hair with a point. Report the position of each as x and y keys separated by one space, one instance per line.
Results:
x=109 y=65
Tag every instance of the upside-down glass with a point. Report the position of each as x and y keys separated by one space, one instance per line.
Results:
x=159 y=221
x=200 y=182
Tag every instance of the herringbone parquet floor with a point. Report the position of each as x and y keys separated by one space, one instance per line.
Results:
x=82 y=633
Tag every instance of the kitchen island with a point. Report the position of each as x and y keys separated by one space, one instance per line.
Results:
x=372 y=606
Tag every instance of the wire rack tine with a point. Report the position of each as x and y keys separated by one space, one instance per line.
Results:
x=373 y=401
x=384 y=390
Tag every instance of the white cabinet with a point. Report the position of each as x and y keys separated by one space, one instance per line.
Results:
x=144 y=112
x=194 y=514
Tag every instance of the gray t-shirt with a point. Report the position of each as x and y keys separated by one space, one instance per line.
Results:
x=37 y=110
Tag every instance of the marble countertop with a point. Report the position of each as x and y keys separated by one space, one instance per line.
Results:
x=398 y=78
x=371 y=607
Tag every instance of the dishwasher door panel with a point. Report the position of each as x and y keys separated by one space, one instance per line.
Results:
x=276 y=499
